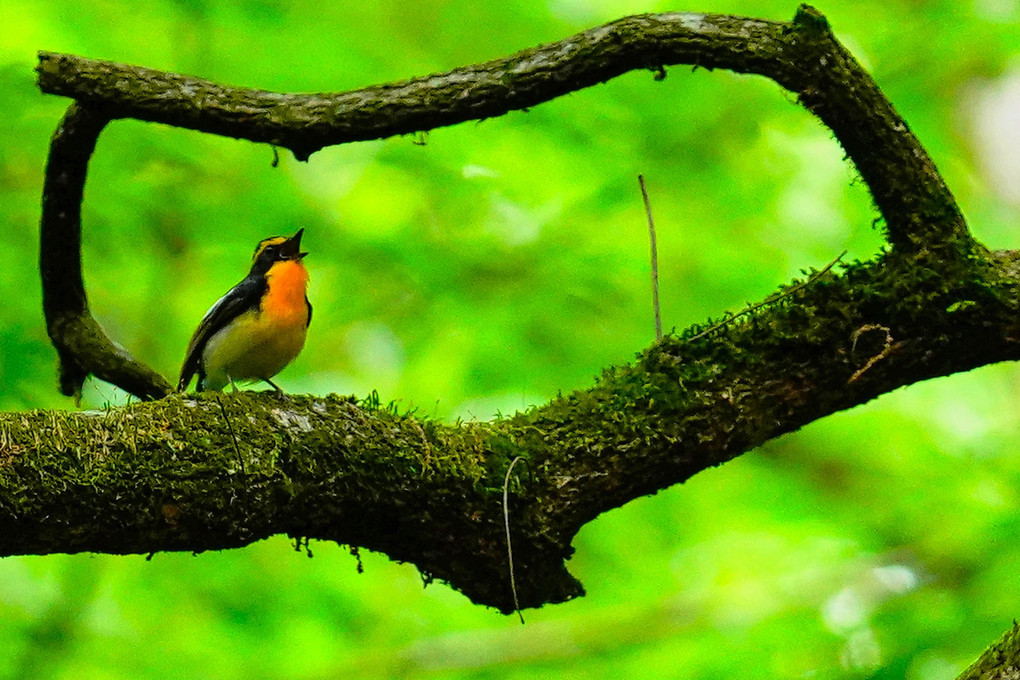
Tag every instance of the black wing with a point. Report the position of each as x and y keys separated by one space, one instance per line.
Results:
x=239 y=299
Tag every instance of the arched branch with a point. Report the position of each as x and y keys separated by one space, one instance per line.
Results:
x=803 y=56
x=162 y=476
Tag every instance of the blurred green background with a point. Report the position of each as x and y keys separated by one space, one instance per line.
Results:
x=485 y=271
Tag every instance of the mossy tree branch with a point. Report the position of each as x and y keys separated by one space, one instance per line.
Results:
x=803 y=56
x=177 y=475
x=1001 y=661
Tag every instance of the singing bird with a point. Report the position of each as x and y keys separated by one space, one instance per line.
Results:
x=259 y=326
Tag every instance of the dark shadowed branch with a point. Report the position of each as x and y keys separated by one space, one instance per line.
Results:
x=83 y=348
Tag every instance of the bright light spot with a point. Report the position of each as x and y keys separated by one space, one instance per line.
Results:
x=931 y=667
x=473 y=171
x=997 y=10
x=962 y=420
x=595 y=10
x=896 y=578
x=31 y=593
x=861 y=650
x=516 y=224
x=844 y=611
x=820 y=174
x=996 y=129
x=992 y=493
x=375 y=348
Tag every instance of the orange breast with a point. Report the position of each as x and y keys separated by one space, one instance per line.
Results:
x=284 y=304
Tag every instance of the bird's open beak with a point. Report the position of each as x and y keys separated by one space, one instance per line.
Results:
x=291 y=248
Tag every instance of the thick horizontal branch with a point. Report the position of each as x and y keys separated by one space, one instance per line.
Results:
x=222 y=471
x=802 y=56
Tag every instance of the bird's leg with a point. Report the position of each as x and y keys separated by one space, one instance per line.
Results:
x=275 y=387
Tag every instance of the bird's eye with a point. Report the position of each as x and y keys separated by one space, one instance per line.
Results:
x=269 y=250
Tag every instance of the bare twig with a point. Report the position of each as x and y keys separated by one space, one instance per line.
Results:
x=655 y=260
x=506 y=523
x=770 y=300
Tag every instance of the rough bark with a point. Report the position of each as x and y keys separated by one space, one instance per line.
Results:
x=186 y=473
x=803 y=56
x=207 y=472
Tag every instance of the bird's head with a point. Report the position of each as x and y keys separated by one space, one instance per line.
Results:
x=277 y=249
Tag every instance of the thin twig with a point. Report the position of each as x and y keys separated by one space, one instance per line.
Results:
x=655 y=260
x=230 y=429
x=509 y=549
x=771 y=299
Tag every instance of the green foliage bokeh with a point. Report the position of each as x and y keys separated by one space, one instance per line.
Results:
x=484 y=271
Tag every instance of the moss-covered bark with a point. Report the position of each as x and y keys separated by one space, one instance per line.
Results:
x=1001 y=661
x=219 y=471
x=82 y=346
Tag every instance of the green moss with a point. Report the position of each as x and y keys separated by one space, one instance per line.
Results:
x=1000 y=660
x=810 y=19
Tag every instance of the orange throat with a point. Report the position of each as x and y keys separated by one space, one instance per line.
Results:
x=285 y=300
